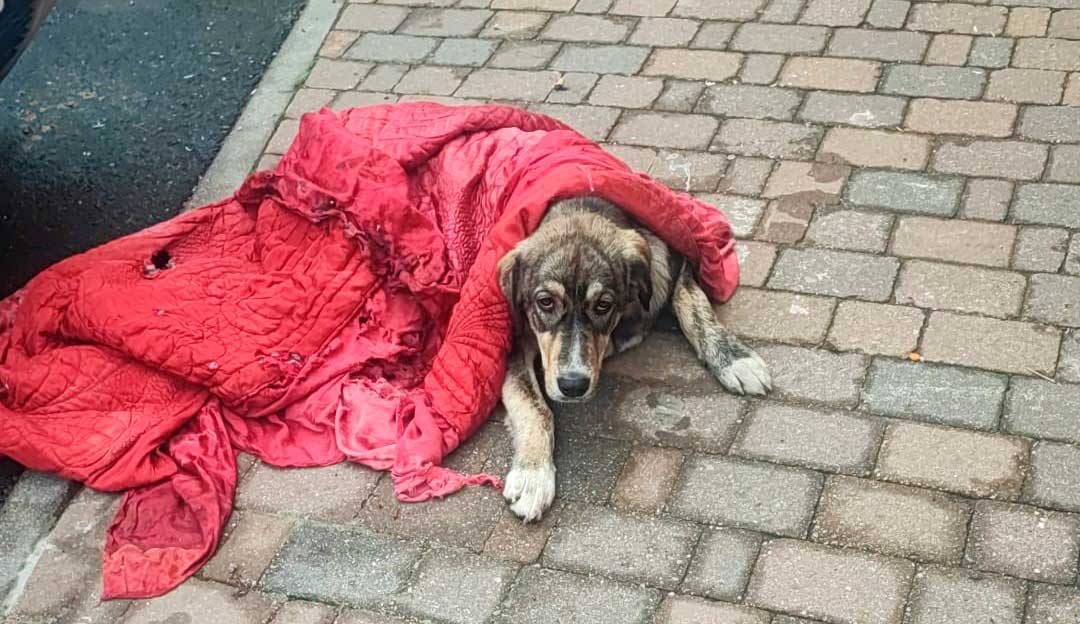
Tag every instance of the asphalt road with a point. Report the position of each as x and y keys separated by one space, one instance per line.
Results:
x=113 y=113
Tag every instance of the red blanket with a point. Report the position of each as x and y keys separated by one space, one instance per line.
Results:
x=343 y=306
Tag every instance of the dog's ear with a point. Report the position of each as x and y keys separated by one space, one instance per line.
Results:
x=640 y=276
x=510 y=283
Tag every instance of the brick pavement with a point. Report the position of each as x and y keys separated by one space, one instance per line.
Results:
x=903 y=176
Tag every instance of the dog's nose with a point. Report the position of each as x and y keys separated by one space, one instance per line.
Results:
x=574 y=386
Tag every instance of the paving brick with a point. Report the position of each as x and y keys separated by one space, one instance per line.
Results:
x=679 y=96
x=874 y=148
x=1069 y=363
x=997 y=159
x=542 y=596
x=1065 y=24
x=353 y=99
x=746 y=176
x=523 y=55
x=835 y=273
x=319 y=561
x=498 y=83
x=382 y=78
x=1026 y=542
x=647 y=479
x=337 y=42
x=1064 y=164
x=335 y=74
x=791 y=178
x=1053 y=124
x=456 y=587
x=602 y=59
x=1054 y=477
x=831 y=74
x=573 y=89
x=588 y=28
x=304 y=612
x=364 y=616
x=980 y=465
x=959 y=117
x=1048 y=204
x=515 y=25
x=830 y=441
x=200 y=601
x=888 y=13
x=1048 y=604
x=782 y=11
x=1007 y=346
x=283 y=137
x=936 y=394
x=755 y=262
x=835 y=12
x=690 y=610
x=1043 y=409
x=588 y=6
x=688 y=171
x=891 y=520
x=867 y=111
x=986 y=199
x=678 y=418
x=787 y=218
x=664 y=31
x=779 y=316
x=957 y=596
x=1028 y=22
x=815 y=375
x=961 y=288
x=743 y=213
x=769 y=139
x=991 y=52
x=693 y=64
x=958 y=18
x=882 y=45
x=1052 y=299
x=949 y=50
x=671 y=130
x=732 y=10
x=534 y=5
x=586 y=470
x=308 y=101
x=781 y=39
x=427 y=80
x=749 y=101
x=514 y=540
x=934 y=81
x=626 y=91
x=749 y=495
x=1072 y=260
x=714 y=35
x=470 y=52
x=829 y=584
x=1026 y=86
x=849 y=230
x=329 y=493
x=875 y=328
x=642 y=7
x=635 y=549
x=244 y=556
x=722 y=562
x=368 y=17
x=1059 y=54
x=383 y=48
x=969 y=242
x=905 y=192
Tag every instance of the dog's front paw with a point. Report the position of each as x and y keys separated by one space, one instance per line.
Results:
x=746 y=375
x=530 y=490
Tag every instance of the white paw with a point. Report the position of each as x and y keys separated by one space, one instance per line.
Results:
x=747 y=375
x=530 y=491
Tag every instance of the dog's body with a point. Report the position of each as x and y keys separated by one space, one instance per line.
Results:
x=587 y=284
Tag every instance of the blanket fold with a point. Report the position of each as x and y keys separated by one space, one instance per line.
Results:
x=343 y=306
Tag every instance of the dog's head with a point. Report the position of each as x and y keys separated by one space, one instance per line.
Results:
x=568 y=286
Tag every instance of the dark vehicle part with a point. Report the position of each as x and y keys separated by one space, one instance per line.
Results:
x=19 y=22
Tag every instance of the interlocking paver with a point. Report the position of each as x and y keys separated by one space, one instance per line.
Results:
x=1043 y=409
x=958 y=596
x=541 y=596
x=888 y=13
x=781 y=39
x=691 y=610
x=523 y=55
x=785 y=317
x=1054 y=478
x=960 y=117
x=883 y=45
x=1059 y=54
x=714 y=35
x=1033 y=86
x=949 y=50
x=722 y=562
x=988 y=244
x=1047 y=204
x=666 y=130
x=1064 y=164
x=830 y=584
x=939 y=394
x=815 y=375
x=831 y=74
x=1007 y=346
x=1025 y=542
x=749 y=101
x=835 y=12
x=986 y=199
x=875 y=148
x=460 y=588
x=957 y=18
x=905 y=192
x=942 y=286
x=604 y=59
x=835 y=273
x=892 y=520
x=1049 y=604
x=991 y=52
x=332 y=493
x=876 y=328
x=867 y=111
x=692 y=64
x=664 y=31
x=733 y=10
x=1052 y=299
x=769 y=139
x=647 y=479
x=830 y=441
x=851 y=230
x=1028 y=22
x=934 y=81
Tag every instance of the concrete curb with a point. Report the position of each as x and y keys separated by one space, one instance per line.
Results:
x=245 y=143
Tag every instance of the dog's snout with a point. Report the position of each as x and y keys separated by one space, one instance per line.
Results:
x=574 y=386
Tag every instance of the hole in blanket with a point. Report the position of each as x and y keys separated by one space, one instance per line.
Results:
x=161 y=259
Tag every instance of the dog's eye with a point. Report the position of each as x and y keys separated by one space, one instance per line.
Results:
x=545 y=303
x=602 y=307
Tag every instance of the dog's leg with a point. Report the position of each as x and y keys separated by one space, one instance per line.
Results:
x=737 y=367
x=530 y=485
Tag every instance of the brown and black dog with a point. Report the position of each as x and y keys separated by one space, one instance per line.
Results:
x=587 y=284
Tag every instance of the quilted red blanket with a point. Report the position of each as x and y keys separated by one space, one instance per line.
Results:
x=343 y=306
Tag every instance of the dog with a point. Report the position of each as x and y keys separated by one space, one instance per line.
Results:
x=587 y=284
